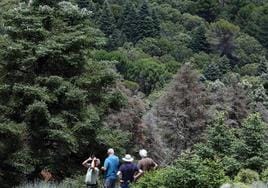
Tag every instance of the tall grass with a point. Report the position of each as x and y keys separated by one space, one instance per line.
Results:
x=40 y=184
x=77 y=182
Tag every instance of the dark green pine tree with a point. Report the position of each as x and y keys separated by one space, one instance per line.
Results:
x=107 y=21
x=115 y=40
x=199 y=41
x=88 y=4
x=263 y=31
x=156 y=24
x=263 y=67
x=128 y=22
x=45 y=92
x=255 y=23
x=51 y=3
x=145 y=22
x=208 y=9
x=212 y=72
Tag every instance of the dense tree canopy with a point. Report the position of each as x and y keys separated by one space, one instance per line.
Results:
x=187 y=78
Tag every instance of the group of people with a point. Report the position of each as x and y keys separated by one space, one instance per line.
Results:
x=127 y=172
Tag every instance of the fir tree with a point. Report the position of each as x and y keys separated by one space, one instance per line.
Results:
x=88 y=4
x=145 y=22
x=199 y=41
x=46 y=91
x=156 y=24
x=207 y=9
x=212 y=72
x=115 y=40
x=128 y=22
x=107 y=21
x=51 y=3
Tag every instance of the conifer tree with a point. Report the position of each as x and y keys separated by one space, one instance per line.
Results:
x=44 y=92
x=107 y=21
x=208 y=9
x=128 y=22
x=115 y=40
x=51 y=3
x=199 y=41
x=156 y=24
x=145 y=22
x=88 y=4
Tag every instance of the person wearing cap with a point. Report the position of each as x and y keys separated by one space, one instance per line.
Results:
x=110 y=168
x=92 y=175
x=128 y=171
x=146 y=163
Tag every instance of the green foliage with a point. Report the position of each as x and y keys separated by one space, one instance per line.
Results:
x=116 y=139
x=51 y=91
x=88 y=4
x=216 y=70
x=243 y=147
x=147 y=73
x=212 y=72
x=71 y=75
x=107 y=22
x=138 y=24
x=145 y=22
x=154 y=178
x=199 y=42
x=248 y=50
x=51 y=3
x=208 y=9
x=257 y=17
x=187 y=172
x=128 y=22
x=220 y=36
x=247 y=176
x=264 y=175
x=133 y=86
x=253 y=148
x=249 y=70
x=102 y=55
x=11 y=142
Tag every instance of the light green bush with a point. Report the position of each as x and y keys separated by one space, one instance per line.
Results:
x=247 y=176
x=148 y=73
x=264 y=175
x=188 y=172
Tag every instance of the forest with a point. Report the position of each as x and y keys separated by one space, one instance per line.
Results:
x=185 y=79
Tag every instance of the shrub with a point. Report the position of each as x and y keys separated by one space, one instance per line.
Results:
x=77 y=182
x=133 y=86
x=264 y=175
x=247 y=176
x=250 y=69
x=153 y=179
x=188 y=172
x=196 y=172
x=102 y=55
x=212 y=72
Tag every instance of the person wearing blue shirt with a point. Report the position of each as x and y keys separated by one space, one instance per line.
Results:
x=111 y=165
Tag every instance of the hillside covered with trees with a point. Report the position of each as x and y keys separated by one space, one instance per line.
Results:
x=185 y=79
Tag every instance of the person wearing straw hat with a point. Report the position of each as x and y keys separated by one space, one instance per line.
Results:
x=128 y=171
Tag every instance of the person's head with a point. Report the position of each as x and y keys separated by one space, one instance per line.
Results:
x=97 y=162
x=128 y=158
x=110 y=151
x=143 y=153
